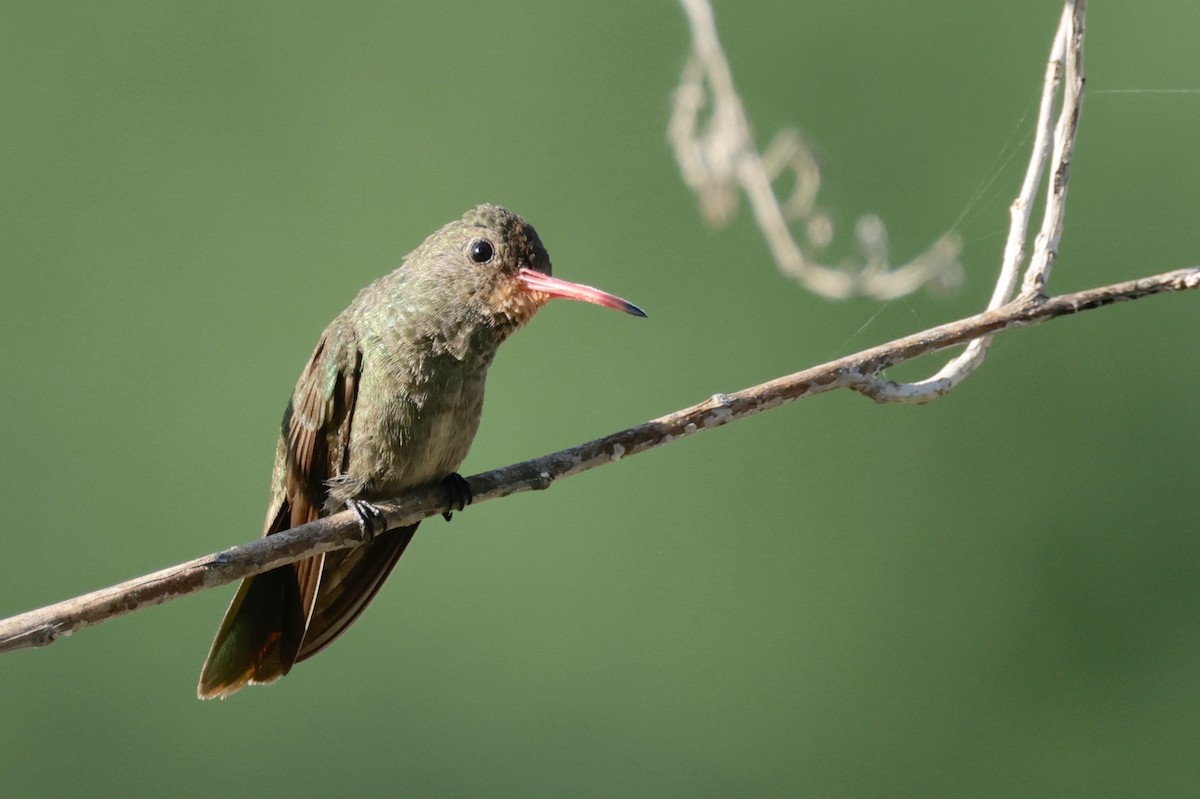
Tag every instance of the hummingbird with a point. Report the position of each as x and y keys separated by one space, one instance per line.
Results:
x=390 y=400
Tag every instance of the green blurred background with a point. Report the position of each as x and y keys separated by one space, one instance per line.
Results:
x=994 y=594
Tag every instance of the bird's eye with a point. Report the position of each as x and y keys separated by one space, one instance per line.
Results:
x=481 y=251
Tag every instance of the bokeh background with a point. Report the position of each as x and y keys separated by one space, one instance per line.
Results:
x=994 y=594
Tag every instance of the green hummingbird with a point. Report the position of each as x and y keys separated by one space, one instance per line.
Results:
x=390 y=400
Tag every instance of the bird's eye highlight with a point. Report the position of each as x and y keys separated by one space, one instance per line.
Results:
x=481 y=251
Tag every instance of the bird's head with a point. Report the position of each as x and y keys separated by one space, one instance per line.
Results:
x=490 y=269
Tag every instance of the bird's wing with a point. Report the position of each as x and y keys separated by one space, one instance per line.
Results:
x=316 y=432
x=260 y=637
x=334 y=588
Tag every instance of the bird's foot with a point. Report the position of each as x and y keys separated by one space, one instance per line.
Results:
x=459 y=492
x=370 y=518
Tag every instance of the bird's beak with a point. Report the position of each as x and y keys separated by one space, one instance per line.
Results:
x=533 y=280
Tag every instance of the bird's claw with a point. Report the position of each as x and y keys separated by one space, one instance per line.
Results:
x=370 y=518
x=459 y=493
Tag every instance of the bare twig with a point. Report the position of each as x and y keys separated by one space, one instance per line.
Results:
x=717 y=157
x=856 y=372
x=861 y=372
x=1050 y=141
x=1069 y=45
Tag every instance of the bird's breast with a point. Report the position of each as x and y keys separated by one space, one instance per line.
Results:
x=413 y=424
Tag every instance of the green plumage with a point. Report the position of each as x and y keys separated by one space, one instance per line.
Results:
x=391 y=399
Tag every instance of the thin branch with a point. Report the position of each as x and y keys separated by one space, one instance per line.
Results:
x=856 y=372
x=1070 y=43
x=1051 y=141
x=717 y=158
